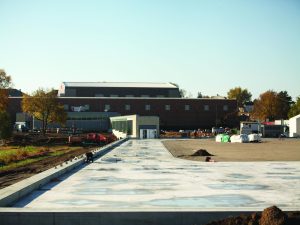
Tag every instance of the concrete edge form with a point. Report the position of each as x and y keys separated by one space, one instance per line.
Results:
x=14 y=192
x=168 y=216
x=116 y=218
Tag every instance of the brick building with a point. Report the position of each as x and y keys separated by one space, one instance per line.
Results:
x=173 y=112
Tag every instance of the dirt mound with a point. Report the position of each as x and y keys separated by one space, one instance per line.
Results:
x=270 y=216
x=201 y=152
x=273 y=216
x=239 y=220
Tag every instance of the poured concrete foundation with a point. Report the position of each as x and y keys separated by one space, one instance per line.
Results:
x=141 y=178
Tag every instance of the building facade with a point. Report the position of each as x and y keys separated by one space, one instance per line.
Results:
x=90 y=103
x=118 y=89
x=174 y=113
x=135 y=126
x=294 y=123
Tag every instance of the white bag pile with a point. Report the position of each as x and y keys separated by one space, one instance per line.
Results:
x=242 y=138
x=219 y=138
x=254 y=138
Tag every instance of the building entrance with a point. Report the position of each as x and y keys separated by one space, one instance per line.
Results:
x=147 y=133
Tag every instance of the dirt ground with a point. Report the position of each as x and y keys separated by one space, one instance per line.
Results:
x=267 y=150
x=11 y=176
x=269 y=216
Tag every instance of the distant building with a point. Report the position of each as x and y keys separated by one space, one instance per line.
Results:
x=294 y=124
x=86 y=108
x=135 y=126
x=218 y=97
x=118 y=89
x=14 y=93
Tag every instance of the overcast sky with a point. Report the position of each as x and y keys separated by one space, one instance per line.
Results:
x=207 y=46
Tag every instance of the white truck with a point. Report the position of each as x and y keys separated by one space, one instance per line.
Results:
x=250 y=127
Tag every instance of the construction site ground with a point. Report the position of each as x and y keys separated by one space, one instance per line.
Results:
x=270 y=149
x=11 y=176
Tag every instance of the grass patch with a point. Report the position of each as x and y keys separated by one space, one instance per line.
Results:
x=15 y=156
x=21 y=163
x=11 y=155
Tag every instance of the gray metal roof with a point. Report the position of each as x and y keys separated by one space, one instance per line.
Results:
x=119 y=84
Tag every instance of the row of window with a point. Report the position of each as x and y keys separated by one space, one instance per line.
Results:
x=130 y=96
x=167 y=107
x=147 y=108
x=86 y=118
x=123 y=126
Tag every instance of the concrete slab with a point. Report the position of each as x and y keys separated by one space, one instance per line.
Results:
x=13 y=193
x=142 y=175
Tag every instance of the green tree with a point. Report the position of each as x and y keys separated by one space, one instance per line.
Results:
x=5 y=83
x=267 y=107
x=199 y=95
x=44 y=106
x=241 y=95
x=295 y=108
x=182 y=92
x=285 y=103
x=5 y=126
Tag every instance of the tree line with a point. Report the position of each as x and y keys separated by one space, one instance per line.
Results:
x=43 y=105
x=270 y=105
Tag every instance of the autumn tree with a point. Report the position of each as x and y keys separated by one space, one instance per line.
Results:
x=44 y=106
x=267 y=107
x=295 y=108
x=5 y=123
x=5 y=126
x=241 y=95
x=5 y=83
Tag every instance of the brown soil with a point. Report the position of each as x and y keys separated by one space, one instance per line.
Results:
x=201 y=152
x=11 y=176
x=270 y=216
x=267 y=150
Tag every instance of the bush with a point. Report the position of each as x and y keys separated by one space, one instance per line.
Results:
x=5 y=126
